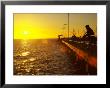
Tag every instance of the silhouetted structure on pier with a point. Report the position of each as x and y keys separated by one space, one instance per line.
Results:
x=88 y=36
x=59 y=37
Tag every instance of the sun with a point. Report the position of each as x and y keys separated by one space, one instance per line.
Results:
x=25 y=32
x=25 y=35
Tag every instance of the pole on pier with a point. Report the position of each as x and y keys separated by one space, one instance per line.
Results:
x=87 y=66
x=68 y=26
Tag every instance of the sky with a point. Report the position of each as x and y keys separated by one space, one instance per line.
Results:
x=50 y=25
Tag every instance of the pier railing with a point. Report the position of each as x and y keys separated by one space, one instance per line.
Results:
x=90 y=59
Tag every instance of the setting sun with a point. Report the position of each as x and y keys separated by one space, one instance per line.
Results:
x=25 y=33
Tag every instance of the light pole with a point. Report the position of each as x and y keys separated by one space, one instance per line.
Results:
x=64 y=27
x=68 y=26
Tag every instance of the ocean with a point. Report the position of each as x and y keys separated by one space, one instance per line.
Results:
x=42 y=57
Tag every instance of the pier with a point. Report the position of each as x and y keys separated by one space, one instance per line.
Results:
x=91 y=60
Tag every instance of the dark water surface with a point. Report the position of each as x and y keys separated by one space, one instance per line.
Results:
x=42 y=57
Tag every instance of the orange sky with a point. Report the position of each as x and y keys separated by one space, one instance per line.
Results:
x=50 y=25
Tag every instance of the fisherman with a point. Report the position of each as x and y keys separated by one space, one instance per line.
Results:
x=89 y=35
x=89 y=31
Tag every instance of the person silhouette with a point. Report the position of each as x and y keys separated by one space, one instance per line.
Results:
x=89 y=31
x=89 y=35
